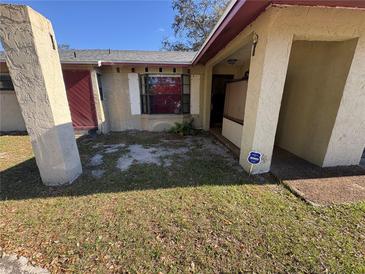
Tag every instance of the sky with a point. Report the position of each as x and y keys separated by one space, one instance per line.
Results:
x=130 y=25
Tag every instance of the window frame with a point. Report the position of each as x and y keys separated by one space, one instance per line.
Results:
x=145 y=94
x=2 y=74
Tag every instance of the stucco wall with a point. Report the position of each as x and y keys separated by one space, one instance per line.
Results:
x=235 y=100
x=313 y=90
x=11 y=118
x=161 y=122
x=114 y=112
x=347 y=140
x=116 y=96
x=232 y=131
x=276 y=28
x=117 y=100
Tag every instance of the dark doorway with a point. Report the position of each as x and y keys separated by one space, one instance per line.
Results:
x=217 y=100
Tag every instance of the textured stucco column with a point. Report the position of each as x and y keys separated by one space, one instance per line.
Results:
x=34 y=66
x=347 y=140
x=207 y=96
x=265 y=88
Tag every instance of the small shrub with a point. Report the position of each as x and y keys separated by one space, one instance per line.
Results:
x=184 y=128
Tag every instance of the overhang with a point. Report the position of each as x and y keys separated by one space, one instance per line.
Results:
x=241 y=13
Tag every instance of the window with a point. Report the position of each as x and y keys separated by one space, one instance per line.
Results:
x=165 y=94
x=100 y=87
x=5 y=82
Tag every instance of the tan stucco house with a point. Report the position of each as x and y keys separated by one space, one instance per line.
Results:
x=286 y=73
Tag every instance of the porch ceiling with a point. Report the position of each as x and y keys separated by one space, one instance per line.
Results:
x=244 y=12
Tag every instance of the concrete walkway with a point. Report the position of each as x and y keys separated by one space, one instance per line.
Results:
x=11 y=264
x=319 y=186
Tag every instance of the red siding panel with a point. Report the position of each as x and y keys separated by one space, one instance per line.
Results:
x=80 y=98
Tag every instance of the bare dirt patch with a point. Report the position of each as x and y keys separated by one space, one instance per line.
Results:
x=96 y=160
x=98 y=173
x=165 y=153
x=138 y=154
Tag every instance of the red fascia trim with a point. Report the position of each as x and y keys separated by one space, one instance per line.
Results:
x=225 y=22
x=244 y=12
x=323 y=3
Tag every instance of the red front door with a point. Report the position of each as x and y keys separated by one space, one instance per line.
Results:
x=80 y=98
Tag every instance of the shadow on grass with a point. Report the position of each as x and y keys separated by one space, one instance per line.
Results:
x=198 y=168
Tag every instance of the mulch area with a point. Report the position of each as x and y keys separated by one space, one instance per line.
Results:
x=319 y=186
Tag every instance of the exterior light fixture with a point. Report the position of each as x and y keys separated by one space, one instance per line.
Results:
x=232 y=61
x=255 y=39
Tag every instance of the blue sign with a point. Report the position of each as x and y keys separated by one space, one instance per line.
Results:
x=254 y=157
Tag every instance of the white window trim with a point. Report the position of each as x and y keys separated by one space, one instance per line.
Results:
x=134 y=93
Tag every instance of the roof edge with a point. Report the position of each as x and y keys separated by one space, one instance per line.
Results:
x=236 y=5
x=111 y=63
x=214 y=30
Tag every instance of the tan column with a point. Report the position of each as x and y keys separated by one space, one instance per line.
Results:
x=99 y=106
x=207 y=96
x=347 y=140
x=265 y=88
x=34 y=66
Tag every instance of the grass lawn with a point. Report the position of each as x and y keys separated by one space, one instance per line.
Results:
x=188 y=208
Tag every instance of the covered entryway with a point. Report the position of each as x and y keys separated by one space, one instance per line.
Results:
x=229 y=88
x=313 y=90
x=80 y=99
x=219 y=82
x=333 y=131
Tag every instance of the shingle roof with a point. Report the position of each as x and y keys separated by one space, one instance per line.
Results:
x=123 y=56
